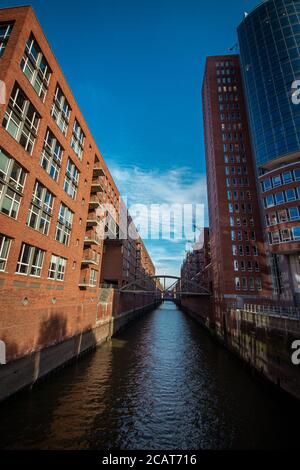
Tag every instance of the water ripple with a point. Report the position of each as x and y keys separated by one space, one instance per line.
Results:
x=161 y=384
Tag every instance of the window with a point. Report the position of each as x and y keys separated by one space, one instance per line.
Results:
x=244 y=283
x=255 y=250
x=296 y=233
x=297 y=174
x=269 y=201
x=64 y=225
x=290 y=195
x=5 y=32
x=251 y=283
x=287 y=177
x=266 y=185
x=276 y=180
x=93 y=277
x=40 y=210
x=241 y=250
x=279 y=198
x=236 y=265
x=12 y=182
x=294 y=213
x=21 y=119
x=282 y=216
x=237 y=283
x=57 y=268
x=30 y=261
x=77 y=141
x=5 y=243
x=61 y=110
x=36 y=68
x=275 y=238
x=258 y=284
x=234 y=250
x=285 y=235
x=51 y=156
x=71 y=179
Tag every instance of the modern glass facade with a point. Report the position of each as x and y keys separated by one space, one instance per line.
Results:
x=269 y=39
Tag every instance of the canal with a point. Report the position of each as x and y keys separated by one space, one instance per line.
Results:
x=163 y=383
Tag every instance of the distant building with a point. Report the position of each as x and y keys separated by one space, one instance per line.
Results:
x=195 y=266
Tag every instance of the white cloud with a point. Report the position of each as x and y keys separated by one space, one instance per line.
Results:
x=156 y=186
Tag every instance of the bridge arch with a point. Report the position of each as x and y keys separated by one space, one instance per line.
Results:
x=179 y=286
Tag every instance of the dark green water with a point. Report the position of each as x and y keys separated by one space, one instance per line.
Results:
x=163 y=383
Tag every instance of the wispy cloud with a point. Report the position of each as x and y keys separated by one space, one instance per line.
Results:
x=155 y=186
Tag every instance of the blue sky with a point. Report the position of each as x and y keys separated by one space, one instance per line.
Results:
x=136 y=68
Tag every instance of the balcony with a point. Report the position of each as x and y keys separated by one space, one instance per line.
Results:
x=85 y=283
x=95 y=201
x=97 y=185
x=90 y=257
x=93 y=219
x=92 y=238
x=98 y=169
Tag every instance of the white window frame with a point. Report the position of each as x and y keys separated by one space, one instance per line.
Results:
x=25 y=129
x=42 y=208
x=61 y=110
x=50 y=159
x=30 y=265
x=5 y=245
x=64 y=225
x=57 y=268
x=39 y=78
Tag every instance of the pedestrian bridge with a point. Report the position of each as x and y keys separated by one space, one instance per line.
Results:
x=168 y=290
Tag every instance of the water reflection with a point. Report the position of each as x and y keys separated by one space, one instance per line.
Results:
x=161 y=384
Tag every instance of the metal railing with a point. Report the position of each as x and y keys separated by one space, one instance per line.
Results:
x=90 y=256
x=272 y=310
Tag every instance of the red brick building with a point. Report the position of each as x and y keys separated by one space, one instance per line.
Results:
x=195 y=268
x=238 y=263
x=125 y=260
x=53 y=187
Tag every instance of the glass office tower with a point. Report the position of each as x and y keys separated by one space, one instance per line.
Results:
x=269 y=39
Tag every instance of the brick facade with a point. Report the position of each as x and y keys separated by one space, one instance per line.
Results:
x=37 y=310
x=239 y=269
